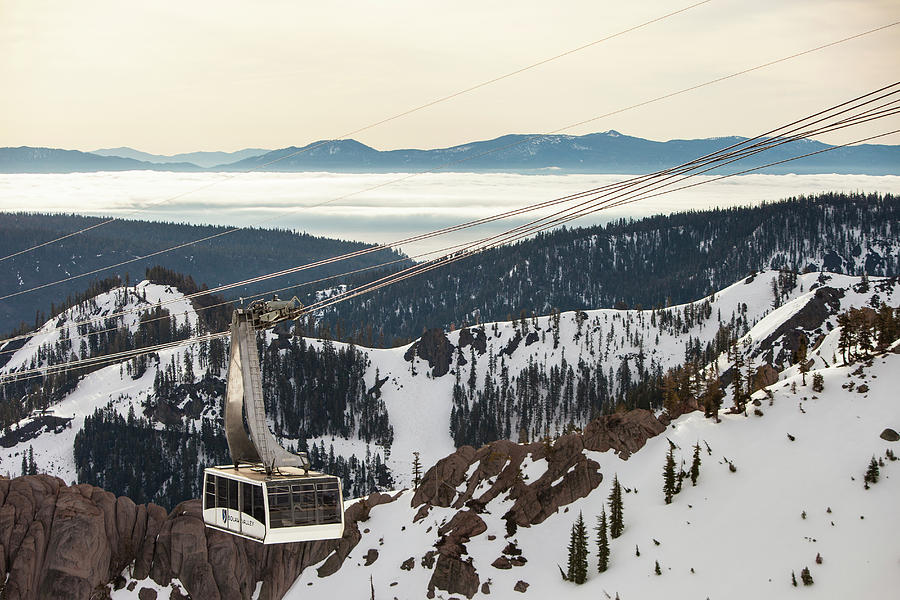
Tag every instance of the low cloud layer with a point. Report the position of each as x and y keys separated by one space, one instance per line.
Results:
x=352 y=206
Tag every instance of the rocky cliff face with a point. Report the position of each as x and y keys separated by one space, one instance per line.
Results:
x=58 y=541
x=469 y=479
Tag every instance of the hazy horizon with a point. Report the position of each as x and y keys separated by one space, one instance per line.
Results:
x=352 y=206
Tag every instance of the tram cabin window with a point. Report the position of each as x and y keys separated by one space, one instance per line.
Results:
x=303 y=498
x=327 y=493
x=221 y=492
x=252 y=501
x=232 y=494
x=298 y=503
x=209 y=500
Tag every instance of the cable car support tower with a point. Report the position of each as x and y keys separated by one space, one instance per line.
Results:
x=243 y=391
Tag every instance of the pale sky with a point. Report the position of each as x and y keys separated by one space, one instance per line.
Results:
x=168 y=77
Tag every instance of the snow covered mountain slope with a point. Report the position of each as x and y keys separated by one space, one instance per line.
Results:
x=520 y=380
x=796 y=492
x=772 y=480
x=50 y=438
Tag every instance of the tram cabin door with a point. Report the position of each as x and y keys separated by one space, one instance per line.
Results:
x=237 y=506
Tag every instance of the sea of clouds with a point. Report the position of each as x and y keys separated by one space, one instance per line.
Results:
x=380 y=207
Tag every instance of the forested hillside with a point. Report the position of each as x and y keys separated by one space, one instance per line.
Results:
x=648 y=262
x=656 y=261
x=223 y=259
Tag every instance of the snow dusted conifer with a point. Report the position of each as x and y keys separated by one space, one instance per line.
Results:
x=417 y=470
x=818 y=382
x=669 y=477
x=872 y=472
x=695 y=464
x=806 y=576
x=577 y=565
x=616 y=521
x=602 y=542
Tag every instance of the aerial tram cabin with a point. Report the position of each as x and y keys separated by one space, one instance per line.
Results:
x=291 y=506
x=269 y=494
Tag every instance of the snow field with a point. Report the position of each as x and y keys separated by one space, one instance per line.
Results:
x=743 y=533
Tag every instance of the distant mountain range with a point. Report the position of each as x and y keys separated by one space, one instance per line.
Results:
x=607 y=152
x=26 y=159
x=201 y=159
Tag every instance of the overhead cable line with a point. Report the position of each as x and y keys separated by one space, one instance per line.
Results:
x=229 y=176
x=465 y=159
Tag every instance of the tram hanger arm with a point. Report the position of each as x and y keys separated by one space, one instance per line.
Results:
x=268 y=313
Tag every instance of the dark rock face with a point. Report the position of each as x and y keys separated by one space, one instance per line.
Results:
x=624 y=433
x=889 y=435
x=475 y=338
x=454 y=576
x=371 y=556
x=569 y=475
x=764 y=376
x=435 y=348
x=511 y=345
x=824 y=303
x=66 y=542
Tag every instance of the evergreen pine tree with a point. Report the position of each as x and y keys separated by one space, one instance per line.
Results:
x=24 y=464
x=417 y=470
x=712 y=396
x=573 y=550
x=616 y=520
x=669 y=477
x=656 y=569
x=695 y=464
x=602 y=542
x=806 y=576
x=577 y=565
x=793 y=579
x=737 y=377
x=872 y=472
x=800 y=358
x=32 y=466
x=818 y=382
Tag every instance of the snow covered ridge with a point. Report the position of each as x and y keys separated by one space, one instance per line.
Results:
x=802 y=449
x=517 y=380
x=66 y=335
x=780 y=489
x=48 y=437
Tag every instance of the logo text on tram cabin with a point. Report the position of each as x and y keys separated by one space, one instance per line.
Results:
x=232 y=519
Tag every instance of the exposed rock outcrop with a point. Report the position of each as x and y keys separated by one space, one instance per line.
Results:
x=825 y=302
x=474 y=337
x=435 y=348
x=764 y=376
x=58 y=541
x=567 y=476
x=624 y=433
